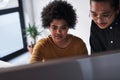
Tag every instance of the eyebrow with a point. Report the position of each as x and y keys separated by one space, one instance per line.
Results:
x=53 y=25
x=102 y=13
x=60 y=26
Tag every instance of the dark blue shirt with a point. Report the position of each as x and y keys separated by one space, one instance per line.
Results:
x=105 y=39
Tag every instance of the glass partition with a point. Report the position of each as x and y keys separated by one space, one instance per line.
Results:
x=7 y=4
x=12 y=40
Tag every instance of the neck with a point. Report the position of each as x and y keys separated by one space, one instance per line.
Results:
x=64 y=43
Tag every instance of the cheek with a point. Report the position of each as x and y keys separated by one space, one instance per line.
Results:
x=51 y=32
x=111 y=20
x=65 y=32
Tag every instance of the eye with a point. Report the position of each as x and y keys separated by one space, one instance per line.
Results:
x=105 y=15
x=93 y=15
x=64 y=27
x=53 y=27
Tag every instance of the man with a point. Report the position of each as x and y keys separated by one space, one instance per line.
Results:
x=105 y=26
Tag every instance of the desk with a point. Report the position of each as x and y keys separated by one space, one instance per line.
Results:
x=4 y=64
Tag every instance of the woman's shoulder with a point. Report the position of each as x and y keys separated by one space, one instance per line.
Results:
x=76 y=38
x=42 y=41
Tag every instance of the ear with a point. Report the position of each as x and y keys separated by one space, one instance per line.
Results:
x=49 y=27
x=119 y=5
x=119 y=8
x=118 y=11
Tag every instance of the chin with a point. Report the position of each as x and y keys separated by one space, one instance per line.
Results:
x=103 y=27
x=57 y=40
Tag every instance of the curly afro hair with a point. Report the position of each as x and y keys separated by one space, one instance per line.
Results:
x=58 y=9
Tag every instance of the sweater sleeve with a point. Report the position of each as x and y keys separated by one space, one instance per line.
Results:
x=37 y=55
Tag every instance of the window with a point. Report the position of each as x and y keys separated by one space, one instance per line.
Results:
x=12 y=40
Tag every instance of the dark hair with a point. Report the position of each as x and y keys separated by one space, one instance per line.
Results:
x=114 y=3
x=58 y=9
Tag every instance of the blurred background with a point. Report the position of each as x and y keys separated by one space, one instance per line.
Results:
x=15 y=17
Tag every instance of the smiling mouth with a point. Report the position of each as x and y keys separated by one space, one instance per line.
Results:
x=102 y=24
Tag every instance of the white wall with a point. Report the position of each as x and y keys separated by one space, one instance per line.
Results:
x=33 y=8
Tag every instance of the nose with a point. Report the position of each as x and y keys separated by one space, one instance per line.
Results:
x=59 y=31
x=99 y=19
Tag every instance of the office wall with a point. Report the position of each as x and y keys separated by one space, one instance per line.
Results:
x=33 y=8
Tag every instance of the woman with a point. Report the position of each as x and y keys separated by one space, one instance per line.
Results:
x=58 y=17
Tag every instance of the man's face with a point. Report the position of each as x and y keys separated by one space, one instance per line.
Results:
x=102 y=14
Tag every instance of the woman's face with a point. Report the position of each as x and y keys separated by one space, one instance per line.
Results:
x=58 y=29
x=102 y=13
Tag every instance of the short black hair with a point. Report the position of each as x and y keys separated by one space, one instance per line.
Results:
x=58 y=9
x=114 y=3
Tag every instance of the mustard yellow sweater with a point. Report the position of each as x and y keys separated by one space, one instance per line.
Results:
x=45 y=49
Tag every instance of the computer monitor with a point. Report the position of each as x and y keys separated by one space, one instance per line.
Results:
x=103 y=66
